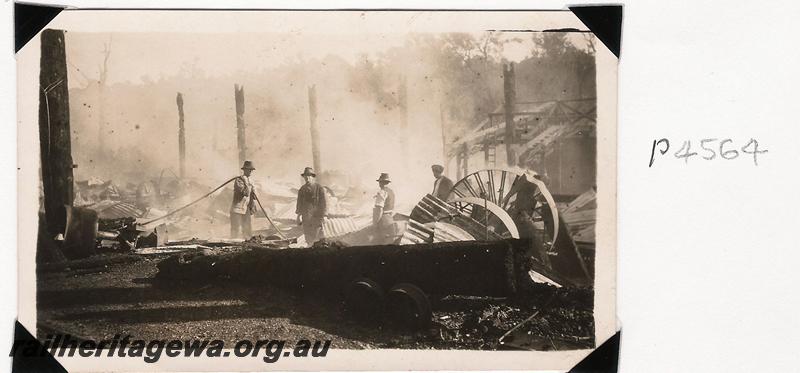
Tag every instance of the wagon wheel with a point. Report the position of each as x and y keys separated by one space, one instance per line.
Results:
x=364 y=299
x=409 y=306
x=520 y=195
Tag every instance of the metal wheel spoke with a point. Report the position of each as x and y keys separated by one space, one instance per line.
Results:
x=504 y=189
x=458 y=192
x=492 y=195
x=470 y=188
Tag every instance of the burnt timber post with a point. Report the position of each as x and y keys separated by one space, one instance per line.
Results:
x=510 y=96
x=54 y=132
x=240 y=127
x=403 y=103
x=463 y=170
x=312 y=114
x=181 y=137
x=444 y=139
x=102 y=131
x=458 y=166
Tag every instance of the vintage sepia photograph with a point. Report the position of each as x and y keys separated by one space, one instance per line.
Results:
x=394 y=187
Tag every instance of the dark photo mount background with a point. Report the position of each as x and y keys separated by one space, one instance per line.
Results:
x=604 y=21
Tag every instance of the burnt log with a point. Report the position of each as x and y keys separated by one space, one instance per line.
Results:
x=80 y=233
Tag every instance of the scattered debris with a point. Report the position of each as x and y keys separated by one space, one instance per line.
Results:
x=580 y=215
x=169 y=249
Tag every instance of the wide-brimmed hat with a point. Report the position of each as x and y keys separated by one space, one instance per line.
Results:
x=437 y=168
x=384 y=178
x=248 y=165
x=308 y=171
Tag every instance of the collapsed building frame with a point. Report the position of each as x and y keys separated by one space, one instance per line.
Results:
x=557 y=138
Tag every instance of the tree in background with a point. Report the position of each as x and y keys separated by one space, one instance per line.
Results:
x=466 y=69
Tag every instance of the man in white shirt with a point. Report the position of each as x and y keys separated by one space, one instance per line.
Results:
x=383 y=212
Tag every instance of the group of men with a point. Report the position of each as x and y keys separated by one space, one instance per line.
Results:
x=312 y=209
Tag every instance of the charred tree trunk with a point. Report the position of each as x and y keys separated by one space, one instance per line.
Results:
x=444 y=139
x=54 y=132
x=312 y=114
x=464 y=160
x=240 y=127
x=403 y=103
x=181 y=137
x=458 y=166
x=102 y=130
x=510 y=96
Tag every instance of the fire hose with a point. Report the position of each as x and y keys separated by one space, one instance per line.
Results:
x=267 y=216
x=206 y=196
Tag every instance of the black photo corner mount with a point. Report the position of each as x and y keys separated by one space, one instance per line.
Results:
x=605 y=21
x=604 y=359
x=29 y=20
x=23 y=361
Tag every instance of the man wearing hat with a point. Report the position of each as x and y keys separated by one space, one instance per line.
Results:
x=383 y=212
x=442 y=185
x=243 y=204
x=311 y=207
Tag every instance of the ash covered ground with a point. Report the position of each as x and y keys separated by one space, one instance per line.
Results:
x=109 y=294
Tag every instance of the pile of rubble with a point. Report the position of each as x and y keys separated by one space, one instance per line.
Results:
x=133 y=217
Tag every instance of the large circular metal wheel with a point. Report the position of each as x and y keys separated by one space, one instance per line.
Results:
x=524 y=197
x=489 y=214
x=409 y=307
x=364 y=299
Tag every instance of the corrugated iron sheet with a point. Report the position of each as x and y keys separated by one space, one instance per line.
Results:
x=334 y=227
x=108 y=209
x=432 y=209
x=417 y=232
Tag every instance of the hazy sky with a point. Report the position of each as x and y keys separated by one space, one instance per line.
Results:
x=136 y=55
x=276 y=114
